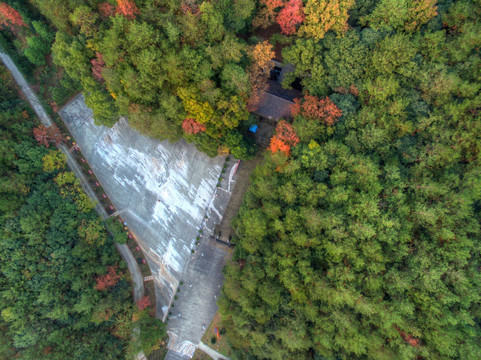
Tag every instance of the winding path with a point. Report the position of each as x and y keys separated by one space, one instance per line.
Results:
x=125 y=253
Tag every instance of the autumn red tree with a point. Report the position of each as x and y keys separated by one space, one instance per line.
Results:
x=41 y=135
x=46 y=135
x=286 y=133
x=97 y=66
x=143 y=303
x=284 y=138
x=191 y=126
x=106 y=10
x=290 y=16
x=127 y=8
x=312 y=107
x=353 y=90
x=107 y=280
x=10 y=17
x=189 y=7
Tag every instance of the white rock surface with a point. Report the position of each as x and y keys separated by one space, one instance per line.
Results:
x=161 y=190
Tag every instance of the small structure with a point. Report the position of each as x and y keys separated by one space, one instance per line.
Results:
x=253 y=128
x=276 y=102
x=273 y=107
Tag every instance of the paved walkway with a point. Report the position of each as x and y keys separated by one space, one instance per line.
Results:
x=196 y=303
x=31 y=97
x=123 y=249
x=166 y=193
x=211 y=352
x=160 y=189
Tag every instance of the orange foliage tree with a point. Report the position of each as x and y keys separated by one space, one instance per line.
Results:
x=420 y=12
x=261 y=55
x=279 y=145
x=284 y=138
x=127 y=8
x=191 y=126
x=10 y=17
x=411 y=340
x=267 y=13
x=312 y=107
x=107 y=280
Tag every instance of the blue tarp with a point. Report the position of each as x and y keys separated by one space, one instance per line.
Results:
x=253 y=128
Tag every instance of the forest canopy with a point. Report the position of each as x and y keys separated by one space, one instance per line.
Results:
x=359 y=237
x=361 y=240
x=160 y=63
x=54 y=253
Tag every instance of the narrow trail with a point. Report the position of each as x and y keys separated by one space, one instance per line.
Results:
x=123 y=249
x=27 y=90
x=211 y=352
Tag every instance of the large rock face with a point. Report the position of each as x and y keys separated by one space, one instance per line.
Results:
x=161 y=190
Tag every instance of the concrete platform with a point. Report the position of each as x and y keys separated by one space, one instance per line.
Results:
x=166 y=193
x=161 y=189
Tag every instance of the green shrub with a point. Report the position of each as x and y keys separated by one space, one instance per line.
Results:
x=116 y=229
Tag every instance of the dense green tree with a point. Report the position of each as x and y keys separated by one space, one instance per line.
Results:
x=37 y=50
x=145 y=66
x=239 y=146
x=57 y=13
x=345 y=60
x=405 y=15
x=20 y=160
x=307 y=55
x=53 y=247
x=364 y=243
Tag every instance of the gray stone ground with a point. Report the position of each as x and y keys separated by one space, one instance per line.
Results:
x=202 y=280
x=160 y=189
x=166 y=193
